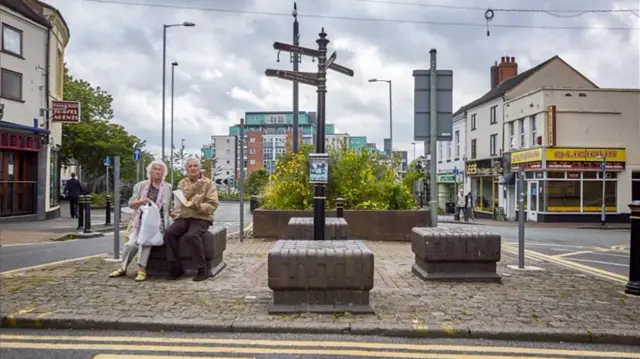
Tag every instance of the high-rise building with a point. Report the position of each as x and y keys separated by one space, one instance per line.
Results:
x=224 y=153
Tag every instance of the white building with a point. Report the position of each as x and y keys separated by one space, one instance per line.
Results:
x=336 y=140
x=561 y=155
x=224 y=153
x=451 y=157
x=484 y=130
x=34 y=37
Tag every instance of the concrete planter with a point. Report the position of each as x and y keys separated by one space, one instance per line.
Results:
x=364 y=225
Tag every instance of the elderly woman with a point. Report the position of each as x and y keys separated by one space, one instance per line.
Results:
x=155 y=189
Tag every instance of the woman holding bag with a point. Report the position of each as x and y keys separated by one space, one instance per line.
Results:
x=153 y=190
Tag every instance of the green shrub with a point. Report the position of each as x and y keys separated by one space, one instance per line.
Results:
x=98 y=199
x=363 y=179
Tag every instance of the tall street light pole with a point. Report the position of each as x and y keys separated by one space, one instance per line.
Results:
x=296 y=60
x=164 y=74
x=414 y=150
x=173 y=68
x=390 y=115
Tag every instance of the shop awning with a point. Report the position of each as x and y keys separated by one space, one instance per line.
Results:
x=20 y=127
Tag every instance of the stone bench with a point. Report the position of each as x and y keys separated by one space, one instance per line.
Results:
x=455 y=254
x=301 y=228
x=215 y=243
x=320 y=276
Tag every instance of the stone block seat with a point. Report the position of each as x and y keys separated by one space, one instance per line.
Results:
x=215 y=243
x=459 y=254
x=320 y=276
x=301 y=228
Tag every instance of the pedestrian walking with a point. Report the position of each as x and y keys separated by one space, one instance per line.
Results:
x=460 y=205
x=73 y=190
x=469 y=213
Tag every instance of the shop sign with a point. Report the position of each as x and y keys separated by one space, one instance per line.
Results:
x=526 y=156
x=586 y=154
x=584 y=166
x=65 y=111
x=551 y=125
x=527 y=166
x=485 y=167
x=448 y=178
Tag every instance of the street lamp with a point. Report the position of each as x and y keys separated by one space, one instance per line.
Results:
x=390 y=115
x=173 y=67
x=414 y=150
x=164 y=75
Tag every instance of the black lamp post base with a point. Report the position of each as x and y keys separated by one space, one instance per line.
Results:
x=633 y=288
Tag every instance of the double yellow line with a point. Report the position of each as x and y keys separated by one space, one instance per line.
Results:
x=619 y=278
x=146 y=346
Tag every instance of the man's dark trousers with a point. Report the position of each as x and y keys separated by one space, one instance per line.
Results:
x=189 y=230
x=73 y=206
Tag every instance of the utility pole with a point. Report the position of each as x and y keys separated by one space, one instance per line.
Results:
x=241 y=182
x=433 y=110
x=296 y=60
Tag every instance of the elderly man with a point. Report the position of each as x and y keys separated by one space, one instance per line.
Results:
x=192 y=220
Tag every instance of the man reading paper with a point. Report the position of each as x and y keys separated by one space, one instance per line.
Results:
x=192 y=220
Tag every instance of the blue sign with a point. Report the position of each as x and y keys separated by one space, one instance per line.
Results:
x=107 y=161
x=455 y=171
x=603 y=166
x=230 y=181
x=136 y=154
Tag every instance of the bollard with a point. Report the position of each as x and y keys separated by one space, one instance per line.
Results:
x=80 y=212
x=87 y=213
x=107 y=215
x=340 y=207
x=633 y=285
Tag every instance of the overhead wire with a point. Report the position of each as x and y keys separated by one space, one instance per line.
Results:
x=369 y=19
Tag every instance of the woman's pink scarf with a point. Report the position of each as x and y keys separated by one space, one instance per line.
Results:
x=143 y=194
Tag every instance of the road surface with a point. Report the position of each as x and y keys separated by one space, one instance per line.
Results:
x=79 y=344
x=28 y=255
x=603 y=250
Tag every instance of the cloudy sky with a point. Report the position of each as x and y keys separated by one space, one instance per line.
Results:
x=118 y=46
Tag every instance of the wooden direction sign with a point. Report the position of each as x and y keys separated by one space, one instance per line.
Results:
x=296 y=49
x=330 y=60
x=341 y=69
x=302 y=77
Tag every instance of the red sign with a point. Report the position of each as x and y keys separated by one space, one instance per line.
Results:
x=65 y=111
x=11 y=141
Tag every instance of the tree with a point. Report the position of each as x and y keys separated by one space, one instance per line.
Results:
x=96 y=137
x=257 y=181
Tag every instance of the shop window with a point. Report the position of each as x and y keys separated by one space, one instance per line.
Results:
x=592 y=196
x=54 y=179
x=563 y=196
x=589 y=175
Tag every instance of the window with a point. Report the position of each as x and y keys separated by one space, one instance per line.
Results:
x=11 y=40
x=521 y=132
x=252 y=140
x=563 y=196
x=473 y=148
x=493 y=144
x=512 y=143
x=474 y=123
x=228 y=140
x=11 y=86
x=252 y=162
x=534 y=130
x=592 y=196
x=457 y=139
x=252 y=151
x=54 y=179
x=492 y=115
x=448 y=150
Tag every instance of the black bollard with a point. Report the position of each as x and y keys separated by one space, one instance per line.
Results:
x=633 y=285
x=340 y=207
x=107 y=215
x=80 y=211
x=87 y=213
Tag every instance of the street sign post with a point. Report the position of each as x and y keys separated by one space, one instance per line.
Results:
x=136 y=157
x=318 y=80
x=107 y=161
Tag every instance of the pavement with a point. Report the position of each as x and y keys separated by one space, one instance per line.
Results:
x=557 y=304
x=64 y=227
x=92 y=344
x=449 y=218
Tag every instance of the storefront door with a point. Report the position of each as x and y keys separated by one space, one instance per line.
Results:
x=532 y=201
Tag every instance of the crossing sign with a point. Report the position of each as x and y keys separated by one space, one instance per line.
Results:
x=455 y=171
x=107 y=161
x=136 y=154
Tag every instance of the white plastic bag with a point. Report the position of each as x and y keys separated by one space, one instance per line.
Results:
x=149 y=232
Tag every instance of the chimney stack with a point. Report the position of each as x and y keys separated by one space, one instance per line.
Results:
x=506 y=69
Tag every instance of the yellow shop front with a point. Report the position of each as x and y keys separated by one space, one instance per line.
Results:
x=566 y=184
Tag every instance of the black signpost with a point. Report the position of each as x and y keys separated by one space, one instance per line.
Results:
x=319 y=80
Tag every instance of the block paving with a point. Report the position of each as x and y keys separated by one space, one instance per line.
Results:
x=556 y=299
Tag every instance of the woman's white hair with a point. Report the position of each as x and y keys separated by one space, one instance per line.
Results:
x=161 y=164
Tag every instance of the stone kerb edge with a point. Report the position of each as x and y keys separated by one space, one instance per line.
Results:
x=78 y=322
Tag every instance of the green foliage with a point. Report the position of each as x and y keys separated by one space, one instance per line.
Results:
x=98 y=199
x=96 y=137
x=412 y=175
x=363 y=179
x=257 y=182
